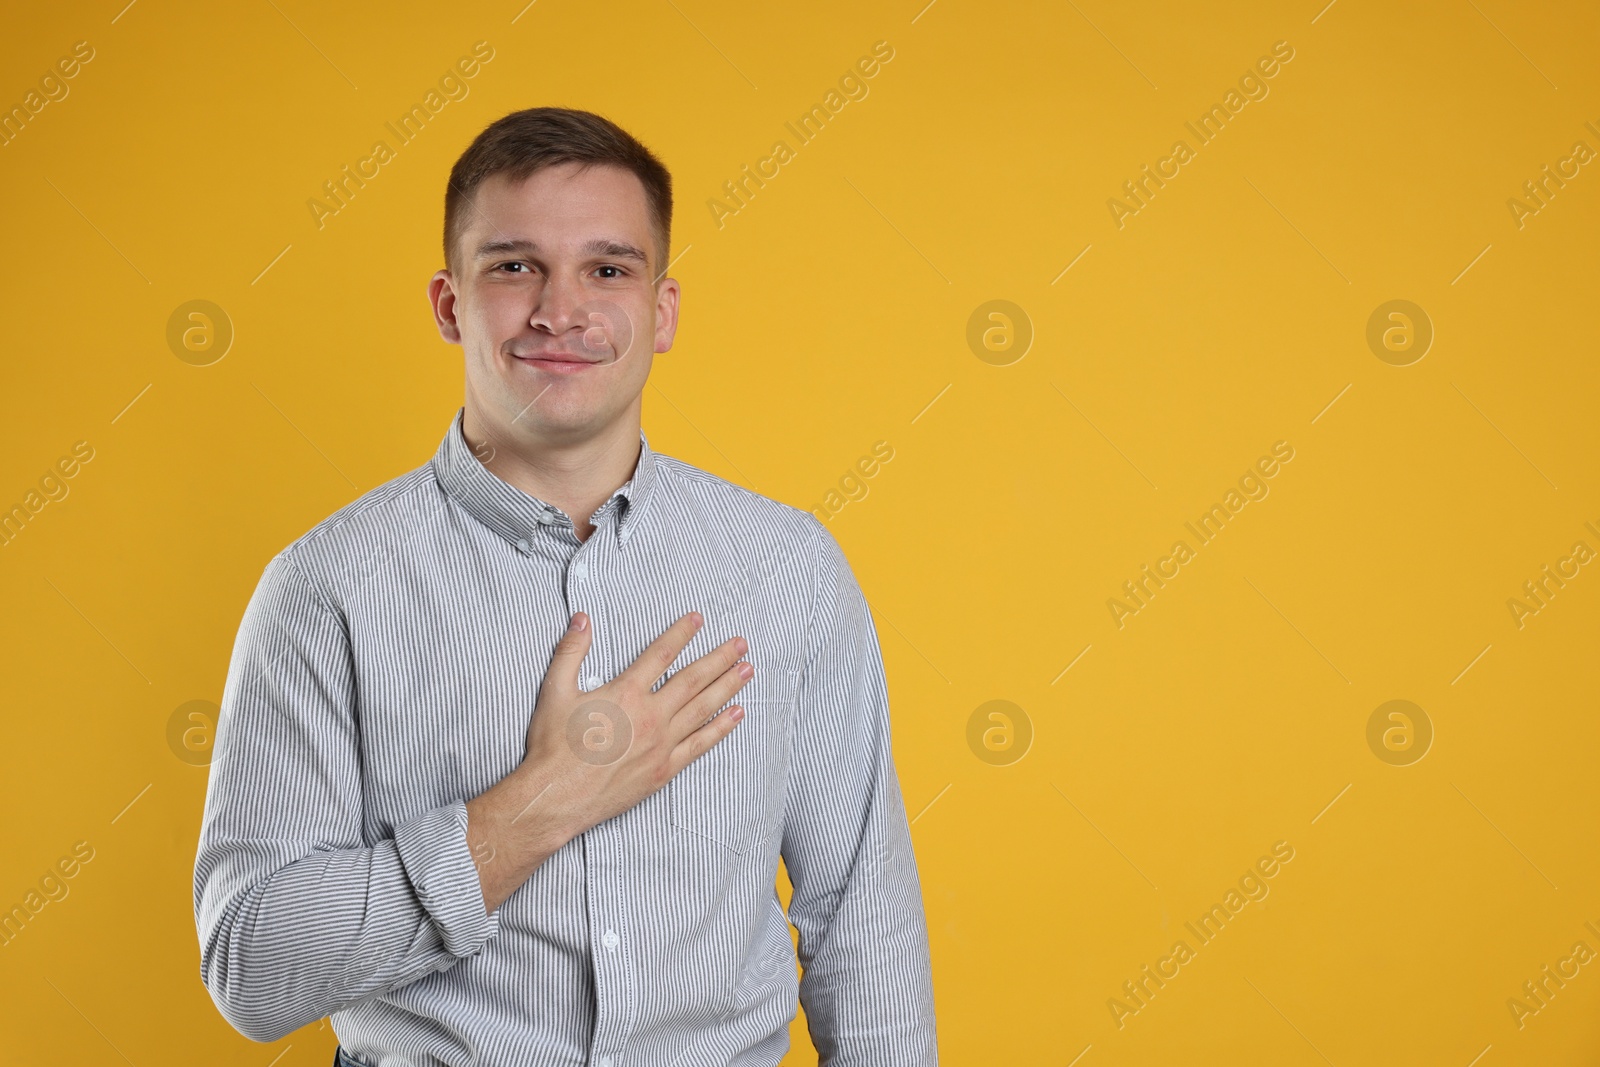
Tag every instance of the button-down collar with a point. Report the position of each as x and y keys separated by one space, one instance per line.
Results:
x=519 y=517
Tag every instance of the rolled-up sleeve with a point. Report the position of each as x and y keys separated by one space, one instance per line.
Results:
x=866 y=982
x=298 y=915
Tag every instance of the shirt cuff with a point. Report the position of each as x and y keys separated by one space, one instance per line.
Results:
x=433 y=850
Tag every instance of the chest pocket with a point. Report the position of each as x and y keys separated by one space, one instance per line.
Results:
x=732 y=796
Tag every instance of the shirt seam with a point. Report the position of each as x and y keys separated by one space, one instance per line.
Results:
x=316 y=593
x=383 y=496
x=818 y=533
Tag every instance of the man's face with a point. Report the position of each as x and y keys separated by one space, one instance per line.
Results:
x=555 y=305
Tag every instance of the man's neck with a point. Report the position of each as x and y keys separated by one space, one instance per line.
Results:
x=576 y=476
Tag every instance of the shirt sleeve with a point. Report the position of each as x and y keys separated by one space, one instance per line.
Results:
x=866 y=982
x=298 y=915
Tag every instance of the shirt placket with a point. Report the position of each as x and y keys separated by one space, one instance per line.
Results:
x=609 y=942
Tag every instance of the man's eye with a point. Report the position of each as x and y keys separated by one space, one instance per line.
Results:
x=505 y=265
x=619 y=271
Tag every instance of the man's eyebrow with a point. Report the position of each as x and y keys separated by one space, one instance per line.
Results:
x=603 y=246
x=503 y=245
x=599 y=246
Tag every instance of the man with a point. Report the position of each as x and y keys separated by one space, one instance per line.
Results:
x=465 y=858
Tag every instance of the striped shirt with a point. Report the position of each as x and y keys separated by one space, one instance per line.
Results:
x=385 y=672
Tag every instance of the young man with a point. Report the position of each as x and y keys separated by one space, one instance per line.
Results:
x=466 y=857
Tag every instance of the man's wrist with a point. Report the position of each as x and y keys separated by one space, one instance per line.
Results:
x=535 y=809
x=513 y=827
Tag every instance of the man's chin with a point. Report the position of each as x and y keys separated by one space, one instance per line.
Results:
x=544 y=414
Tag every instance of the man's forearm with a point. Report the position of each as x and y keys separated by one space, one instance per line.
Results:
x=270 y=974
x=515 y=826
x=286 y=943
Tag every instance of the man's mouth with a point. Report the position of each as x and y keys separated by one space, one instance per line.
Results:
x=561 y=362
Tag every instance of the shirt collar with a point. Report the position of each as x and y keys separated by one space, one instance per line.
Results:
x=518 y=516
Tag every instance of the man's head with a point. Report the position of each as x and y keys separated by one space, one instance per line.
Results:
x=557 y=229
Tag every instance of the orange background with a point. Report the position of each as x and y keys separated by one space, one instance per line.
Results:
x=832 y=312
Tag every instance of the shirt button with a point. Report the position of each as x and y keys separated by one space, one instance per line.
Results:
x=546 y=517
x=579 y=572
x=604 y=1061
x=524 y=546
x=591 y=681
x=610 y=940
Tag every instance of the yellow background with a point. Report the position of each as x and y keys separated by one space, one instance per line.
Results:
x=831 y=313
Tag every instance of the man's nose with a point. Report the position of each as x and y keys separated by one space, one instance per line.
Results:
x=556 y=309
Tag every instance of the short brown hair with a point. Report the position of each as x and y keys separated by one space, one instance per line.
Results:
x=526 y=141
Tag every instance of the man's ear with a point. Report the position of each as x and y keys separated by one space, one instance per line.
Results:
x=442 y=297
x=667 y=296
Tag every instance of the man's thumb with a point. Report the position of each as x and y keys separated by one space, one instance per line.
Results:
x=569 y=653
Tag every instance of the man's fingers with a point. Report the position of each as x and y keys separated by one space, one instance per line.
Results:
x=683 y=685
x=702 y=705
x=700 y=741
x=568 y=655
x=659 y=654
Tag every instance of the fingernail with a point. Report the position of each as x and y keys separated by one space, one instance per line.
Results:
x=746 y=670
x=579 y=622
